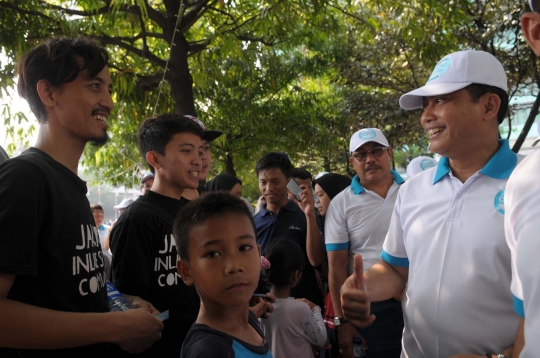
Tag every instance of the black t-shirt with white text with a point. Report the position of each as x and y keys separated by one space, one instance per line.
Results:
x=144 y=264
x=50 y=242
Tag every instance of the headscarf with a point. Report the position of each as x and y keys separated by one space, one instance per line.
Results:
x=223 y=182
x=333 y=184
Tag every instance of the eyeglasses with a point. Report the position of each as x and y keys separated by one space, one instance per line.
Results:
x=375 y=152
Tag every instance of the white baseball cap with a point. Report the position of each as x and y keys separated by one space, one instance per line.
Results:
x=366 y=135
x=124 y=204
x=419 y=164
x=456 y=71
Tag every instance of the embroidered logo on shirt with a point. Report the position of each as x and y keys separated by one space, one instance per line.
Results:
x=426 y=164
x=294 y=228
x=499 y=201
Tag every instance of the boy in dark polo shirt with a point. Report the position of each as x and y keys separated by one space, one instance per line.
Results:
x=282 y=217
x=143 y=247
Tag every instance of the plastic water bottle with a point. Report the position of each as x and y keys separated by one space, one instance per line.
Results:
x=117 y=301
x=358 y=348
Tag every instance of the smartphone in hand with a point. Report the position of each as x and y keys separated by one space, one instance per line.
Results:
x=294 y=188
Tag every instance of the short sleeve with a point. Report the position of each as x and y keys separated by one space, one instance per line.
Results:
x=336 y=233
x=23 y=198
x=394 y=251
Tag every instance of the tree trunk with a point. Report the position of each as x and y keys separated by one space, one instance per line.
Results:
x=229 y=164
x=528 y=124
x=179 y=77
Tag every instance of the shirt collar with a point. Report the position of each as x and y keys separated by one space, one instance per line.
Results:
x=357 y=188
x=102 y=227
x=500 y=166
x=290 y=206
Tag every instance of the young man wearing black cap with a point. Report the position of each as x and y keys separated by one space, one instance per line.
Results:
x=521 y=224
x=143 y=248
x=53 y=297
x=206 y=158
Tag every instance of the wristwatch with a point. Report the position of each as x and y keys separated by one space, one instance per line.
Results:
x=338 y=321
x=495 y=355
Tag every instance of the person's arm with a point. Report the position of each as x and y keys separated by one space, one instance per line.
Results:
x=338 y=265
x=382 y=281
x=25 y=326
x=313 y=324
x=520 y=339
x=314 y=242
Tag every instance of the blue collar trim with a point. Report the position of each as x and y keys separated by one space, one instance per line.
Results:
x=357 y=188
x=500 y=166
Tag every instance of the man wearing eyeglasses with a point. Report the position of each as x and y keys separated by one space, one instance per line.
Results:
x=356 y=223
x=446 y=237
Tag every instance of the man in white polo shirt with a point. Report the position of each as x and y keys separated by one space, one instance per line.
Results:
x=446 y=238
x=522 y=225
x=356 y=222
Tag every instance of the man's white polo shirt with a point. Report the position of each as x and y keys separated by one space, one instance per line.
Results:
x=451 y=236
x=522 y=227
x=357 y=220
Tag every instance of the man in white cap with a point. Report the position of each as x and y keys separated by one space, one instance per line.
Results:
x=522 y=225
x=446 y=238
x=356 y=223
x=419 y=164
x=123 y=205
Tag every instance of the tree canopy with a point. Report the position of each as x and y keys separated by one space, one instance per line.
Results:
x=298 y=76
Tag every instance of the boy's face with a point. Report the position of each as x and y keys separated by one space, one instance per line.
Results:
x=180 y=166
x=273 y=185
x=99 y=217
x=224 y=261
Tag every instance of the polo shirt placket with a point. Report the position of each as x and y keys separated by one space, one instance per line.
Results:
x=451 y=236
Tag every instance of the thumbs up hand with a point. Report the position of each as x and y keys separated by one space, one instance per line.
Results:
x=355 y=301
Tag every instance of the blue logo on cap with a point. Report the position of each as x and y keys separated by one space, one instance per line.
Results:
x=499 y=201
x=367 y=134
x=440 y=69
x=426 y=164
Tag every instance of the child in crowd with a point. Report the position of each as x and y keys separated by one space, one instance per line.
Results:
x=216 y=240
x=295 y=324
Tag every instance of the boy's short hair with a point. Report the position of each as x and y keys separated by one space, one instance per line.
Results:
x=156 y=132
x=96 y=207
x=58 y=60
x=275 y=160
x=198 y=211
x=301 y=173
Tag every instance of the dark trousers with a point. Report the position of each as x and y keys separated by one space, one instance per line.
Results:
x=383 y=337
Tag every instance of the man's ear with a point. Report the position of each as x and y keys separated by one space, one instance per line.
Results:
x=530 y=24
x=492 y=106
x=183 y=269
x=152 y=159
x=46 y=93
x=391 y=155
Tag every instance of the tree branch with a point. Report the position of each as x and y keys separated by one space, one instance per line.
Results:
x=195 y=14
x=115 y=41
x=22 y=11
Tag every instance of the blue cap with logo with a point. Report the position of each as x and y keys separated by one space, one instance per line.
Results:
x=456 y=71
x=366 y=135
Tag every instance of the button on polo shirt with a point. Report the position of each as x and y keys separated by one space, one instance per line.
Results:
x=522 y=227
x=451 y=236
x=358 y=219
